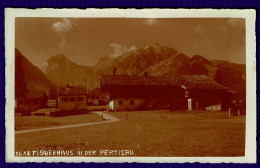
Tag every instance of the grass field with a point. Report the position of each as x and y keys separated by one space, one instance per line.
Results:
x=33 y=122
x=153 y=133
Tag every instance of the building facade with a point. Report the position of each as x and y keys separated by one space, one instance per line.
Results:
x=72 y=98
x=203 y=93
x=140 y=92
x=189 y=92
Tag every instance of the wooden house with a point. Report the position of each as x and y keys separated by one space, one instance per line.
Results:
x=203 y=93
x=189 y=92
x=140 y=92
x=72 y=98
x=35 y=101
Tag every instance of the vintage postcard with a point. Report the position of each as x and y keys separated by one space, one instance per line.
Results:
x=127 y=85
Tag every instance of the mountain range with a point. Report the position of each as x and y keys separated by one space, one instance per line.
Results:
x=154 y=60
x=30 y=81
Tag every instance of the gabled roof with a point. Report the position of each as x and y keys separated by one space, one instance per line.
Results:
x=72 y=90
x=185 y=81
x=136 y=80
x=198 y=82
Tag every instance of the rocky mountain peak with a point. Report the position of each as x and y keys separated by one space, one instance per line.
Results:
x=57 y=61
x=155 y=45
x=199 y=60
x=58 y=58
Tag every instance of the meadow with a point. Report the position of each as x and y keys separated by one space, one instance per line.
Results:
x=147 y=133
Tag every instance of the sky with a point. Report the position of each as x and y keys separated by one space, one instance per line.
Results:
x=85 y=40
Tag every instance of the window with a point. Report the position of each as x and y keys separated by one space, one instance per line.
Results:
x=120 y=102
x=72 y=99
x=132 y=102
x=80 y=98
x=65 y=99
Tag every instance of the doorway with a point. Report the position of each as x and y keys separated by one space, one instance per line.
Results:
x=189 y=104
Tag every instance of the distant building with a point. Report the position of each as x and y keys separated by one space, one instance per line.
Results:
x=72 y=98
x=35 y=101
x=191 y=92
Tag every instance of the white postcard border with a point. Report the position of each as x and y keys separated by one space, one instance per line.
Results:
x=248 y=14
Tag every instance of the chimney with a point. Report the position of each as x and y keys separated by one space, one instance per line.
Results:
x=114 y=71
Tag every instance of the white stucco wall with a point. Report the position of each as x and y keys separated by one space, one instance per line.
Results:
x=215 y=107
x=75 y=105
x=126 y=104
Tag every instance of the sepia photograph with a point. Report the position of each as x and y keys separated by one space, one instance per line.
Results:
x=133 y=87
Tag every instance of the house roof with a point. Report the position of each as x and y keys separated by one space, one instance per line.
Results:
x=185 y=81
x=72 y=90
x=198 y=82
x=136 y=80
